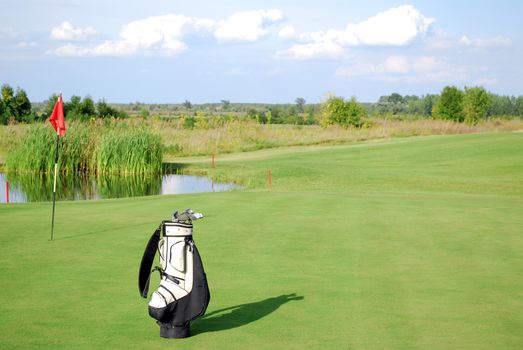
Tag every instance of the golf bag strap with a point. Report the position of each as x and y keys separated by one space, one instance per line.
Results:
x=144 y=274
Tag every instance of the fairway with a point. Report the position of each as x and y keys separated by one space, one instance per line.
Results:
x=410 y=243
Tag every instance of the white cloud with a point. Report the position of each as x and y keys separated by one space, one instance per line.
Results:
x=407 y=69
x=287 y=32
x=246 y=26
x=313 y=50
x=163 y=34
x=396 y=27
x=486 y=42
x=70 y=50
x=66 y=31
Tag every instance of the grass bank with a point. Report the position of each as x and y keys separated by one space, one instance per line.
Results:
x=404 y=244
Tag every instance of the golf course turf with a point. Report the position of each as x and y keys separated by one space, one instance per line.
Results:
x=413 y=243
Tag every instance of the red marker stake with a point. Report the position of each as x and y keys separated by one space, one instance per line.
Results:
x=7 y=192
x=213 y=160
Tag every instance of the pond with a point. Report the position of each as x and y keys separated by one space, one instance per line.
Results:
x=26 y=188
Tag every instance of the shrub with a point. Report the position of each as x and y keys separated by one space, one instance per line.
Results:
x=338 y=111
x=450 y=105
x=476 y=104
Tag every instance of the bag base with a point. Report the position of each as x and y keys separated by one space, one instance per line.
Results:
x=168 y=330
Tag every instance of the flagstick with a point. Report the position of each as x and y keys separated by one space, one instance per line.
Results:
x=54 y=182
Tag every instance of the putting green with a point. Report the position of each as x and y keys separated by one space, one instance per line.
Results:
x=407 y=243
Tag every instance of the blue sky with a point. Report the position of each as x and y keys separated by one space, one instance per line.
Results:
x=162 y=51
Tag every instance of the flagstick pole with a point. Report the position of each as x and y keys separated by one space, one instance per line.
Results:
x=54 y=182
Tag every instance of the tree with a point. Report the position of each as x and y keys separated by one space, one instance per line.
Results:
x=106 y=111
x=450 y=105
x=187 y=104
x=3 y=117
x=502 y=105
x=395 y=98
x=414 y=105
x=393 y=104
x=14 y=106
x=311 y=118
x=300 y=104
x=476 y=103
x=338 y=111
x=518 y=106
x=87 y=109
x=72 y=108
x=23 y=106
x=9 y=104
x=226 y=104
x=428 y=103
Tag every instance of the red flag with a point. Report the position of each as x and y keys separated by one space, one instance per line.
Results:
x=57 y=117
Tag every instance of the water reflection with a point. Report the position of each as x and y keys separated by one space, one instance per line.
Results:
x=32 y=188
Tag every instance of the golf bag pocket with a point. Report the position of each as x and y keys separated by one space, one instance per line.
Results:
x=162 y=314
x=177 y=256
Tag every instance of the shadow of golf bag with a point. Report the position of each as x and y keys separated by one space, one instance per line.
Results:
x=183 y=293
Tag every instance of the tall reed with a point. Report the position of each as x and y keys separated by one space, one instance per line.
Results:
x=87 y=148
x=129 y=151
x=34 y=152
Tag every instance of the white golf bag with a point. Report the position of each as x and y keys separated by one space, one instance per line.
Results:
x=183 y=293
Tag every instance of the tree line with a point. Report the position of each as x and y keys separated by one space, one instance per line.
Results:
x=453 y=103
x=15 y=107
x=470 y=105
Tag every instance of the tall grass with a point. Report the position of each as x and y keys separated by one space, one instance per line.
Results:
x=87 y=148
x=241 y=136
x=34 y=152
x=134 y=151
x=136 y=145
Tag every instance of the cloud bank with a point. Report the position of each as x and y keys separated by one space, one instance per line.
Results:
x=168 y=35
x=165 y=34
x=396 y=27
x=159 y=33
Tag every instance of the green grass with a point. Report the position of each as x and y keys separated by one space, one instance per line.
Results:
x=401 y=244
x=118 y=149
x=129 y=152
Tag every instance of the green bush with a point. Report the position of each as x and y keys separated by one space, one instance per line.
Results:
x=476 y=104
x=338 y=111
x=450 y=105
